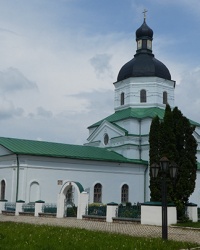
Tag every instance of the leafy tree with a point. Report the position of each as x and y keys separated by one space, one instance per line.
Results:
x=173 y=138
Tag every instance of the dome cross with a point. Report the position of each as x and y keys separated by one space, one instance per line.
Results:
x=144 y=12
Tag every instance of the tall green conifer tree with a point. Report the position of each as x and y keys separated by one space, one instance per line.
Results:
x=167 y=136
x=187 y=148
x=173 y=138
x=154 y=142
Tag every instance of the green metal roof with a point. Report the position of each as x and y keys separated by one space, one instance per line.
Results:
x=138 y=113
x=52 y=149
x=80 y=187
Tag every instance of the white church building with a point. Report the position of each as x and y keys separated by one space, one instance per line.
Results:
x=113 y=165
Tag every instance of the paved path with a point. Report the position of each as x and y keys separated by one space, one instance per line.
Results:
x=175 y=233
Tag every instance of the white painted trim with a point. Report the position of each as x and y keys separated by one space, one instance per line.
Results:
x=102 y=126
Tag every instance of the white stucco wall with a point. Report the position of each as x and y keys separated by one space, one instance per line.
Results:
x=8 y=173
x=131 y=125
x=47 y=171
x=152 y=215
x=145 y=126
x=154 y=87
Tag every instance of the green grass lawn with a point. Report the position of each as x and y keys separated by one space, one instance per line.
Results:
x=26 y=236
x=189 y=224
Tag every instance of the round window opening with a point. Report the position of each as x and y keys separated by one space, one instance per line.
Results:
x=106 y=139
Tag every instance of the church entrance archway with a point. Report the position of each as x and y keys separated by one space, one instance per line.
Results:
x=71 y=200
x=70 y=209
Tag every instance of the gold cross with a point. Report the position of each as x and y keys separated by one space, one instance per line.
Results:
x=144 y=12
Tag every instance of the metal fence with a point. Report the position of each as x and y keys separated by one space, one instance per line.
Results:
x=198 y=212
x=28 y=207
x=132 y=211
x=49 y=208
x=98 y=210
x=10 y=206
x=71 y=211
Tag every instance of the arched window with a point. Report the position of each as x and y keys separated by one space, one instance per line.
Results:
x=106 y=139
x=98 y=193
x=3 y=189
x=34 y=192
x=122 y=98
x=124 y=193
x=143 y=95
x=164 y=97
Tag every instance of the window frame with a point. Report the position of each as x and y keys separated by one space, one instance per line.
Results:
x=124 y=193
x=97 y=197
x=165 y=97
x=3 y=189
x=122 y=99
x=143 y=96
x=106 y=139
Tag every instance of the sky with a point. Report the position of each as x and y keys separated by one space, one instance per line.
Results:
x=60 y=58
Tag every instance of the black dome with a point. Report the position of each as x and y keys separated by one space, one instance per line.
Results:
x=144 y=31
x=144 y=65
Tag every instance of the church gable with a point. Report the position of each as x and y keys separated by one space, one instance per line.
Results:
x=105 y=132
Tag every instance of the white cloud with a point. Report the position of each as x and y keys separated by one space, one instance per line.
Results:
x=44 y=113
x=187 y=94
x=101 y=64
x=12 y=80
x=7 y=109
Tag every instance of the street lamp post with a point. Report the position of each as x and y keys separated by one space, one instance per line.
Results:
x=165 y=167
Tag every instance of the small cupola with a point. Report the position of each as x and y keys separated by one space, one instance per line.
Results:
x=144 y=63
x=144 y=37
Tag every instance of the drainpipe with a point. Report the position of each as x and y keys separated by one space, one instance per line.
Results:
x=145 y=182
x=140 y=140
x=17 y=185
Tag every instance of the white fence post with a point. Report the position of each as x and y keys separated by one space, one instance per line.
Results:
x=19 y=207
x=111 y=211
x=38 y=207
x=192 y=212
x=2 y=205
x=82 y=204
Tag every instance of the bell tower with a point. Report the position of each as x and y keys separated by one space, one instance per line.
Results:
x=142 y=90
x=144 y=81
